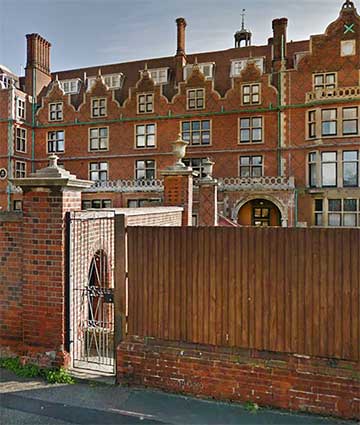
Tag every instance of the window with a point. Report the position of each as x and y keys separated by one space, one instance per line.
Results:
x=160 y=75
x=325 y=81
x=350 y=121
x=337 y=212
x=137 y=203
x=56 y=141
x=145 y=136
x=5 y=81
x=17 y=205
x=333 y=122
x=196 y=132
x=312 y=124
x=145 y=169
x=342 y=212
x=113 y=81
x=329 y=169
x=319 y=212
x=251 y=130
x=350 y=168
x=20 y=139
x=98 y=139
x=98 y=171
x=329 y=122
x=98 y=108
x=196 y=164
x=196 y=99
x=206 y=68
x=70 y=86
x=21 y=109
x=312 y=169
x=56 y=111
x=145 y=103
x=251 y=166
x=238 y=65
x=20 y=169
x=96 y=203
x=251 y=94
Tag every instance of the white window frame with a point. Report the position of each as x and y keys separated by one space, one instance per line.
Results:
x=145 y=160
x=251 y=94
x=146 y=103
x=251 y=128
x=251 y=166
x=70 y=86
x=20 y=109
x=197 y=98
x=98 y=138
x=207 y=69
x=146 y=134
x=109 y=80
x=98 y=170
x=99 y=108
x=20 y=139
x=58 y=111
x=55 y=141
x=156 y=76
x=200 y=131
x=324 y=85
x=238 y=65
x=20 y=169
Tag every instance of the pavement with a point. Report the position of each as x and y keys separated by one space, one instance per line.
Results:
x=32 y=401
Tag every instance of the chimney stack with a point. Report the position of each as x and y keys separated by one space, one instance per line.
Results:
x=37 y=70
x=279 y=38
x=181 y=25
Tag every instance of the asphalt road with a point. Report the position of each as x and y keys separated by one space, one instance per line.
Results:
x=30 y=401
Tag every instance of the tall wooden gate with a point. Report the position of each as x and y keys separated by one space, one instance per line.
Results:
x=91 y=290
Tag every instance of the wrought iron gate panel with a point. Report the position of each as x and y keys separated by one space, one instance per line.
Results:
x=91 y=277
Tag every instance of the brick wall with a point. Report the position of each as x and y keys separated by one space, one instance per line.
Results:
x=11 y=265
x=288 y=381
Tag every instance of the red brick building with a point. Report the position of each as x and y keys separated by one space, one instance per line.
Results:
x=281 y=121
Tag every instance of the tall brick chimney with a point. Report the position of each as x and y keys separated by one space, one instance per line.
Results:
x=180 y=58
x=279 y=38
x=37 y=70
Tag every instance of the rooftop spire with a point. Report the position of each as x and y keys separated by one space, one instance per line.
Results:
x=243 y=34
x=243 y=19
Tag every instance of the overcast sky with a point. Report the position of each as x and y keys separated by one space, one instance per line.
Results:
x=92 y=32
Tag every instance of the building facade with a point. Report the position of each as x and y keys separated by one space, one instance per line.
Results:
x=280 y=121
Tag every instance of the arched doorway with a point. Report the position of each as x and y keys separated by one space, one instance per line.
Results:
x=259 y=212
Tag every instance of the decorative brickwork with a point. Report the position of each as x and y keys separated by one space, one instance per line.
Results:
x=273 y=379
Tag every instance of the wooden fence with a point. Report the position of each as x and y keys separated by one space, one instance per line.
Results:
x=288 y=290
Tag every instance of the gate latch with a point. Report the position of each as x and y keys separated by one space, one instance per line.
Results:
x=109 y=296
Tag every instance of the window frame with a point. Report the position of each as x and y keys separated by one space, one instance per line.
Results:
x=157 y=80
x=56 y=111
x=146 y=94
x=98 y=99
x=251 y=166
x=20 y=173
x=98 y=170
x=145 y=135
x=201 y=131
x=329 y=162
x=23 y=140
x=56 y=141
x=324 y=85
x=251 y=128
x=356 y=161
x=98 y=137
x=196 y=90
x=250 y=94
x=136 y=169
x=70 y=81
x=21 y=109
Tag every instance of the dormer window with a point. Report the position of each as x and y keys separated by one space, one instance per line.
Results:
x=20 y=112
x=113 y=81
x=237 y=65
x=70 y=86
x=5 y=81
x=159 y=75
x=206 y=68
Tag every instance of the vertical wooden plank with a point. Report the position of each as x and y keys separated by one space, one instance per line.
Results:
x=233 y=311
x=273 y=289
x=183 y=284
x=330 y=261
x=205 y=273
x=323 y=284
x=346 y=307
x=355 y=294
x=265 y=287
x=212 y=269
x=224 y=280
x=289 y=288
x=189 y=281
x=219 y=292
x=338 y=294
x=258 y=258
x=238 y=253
